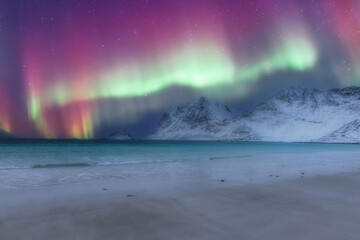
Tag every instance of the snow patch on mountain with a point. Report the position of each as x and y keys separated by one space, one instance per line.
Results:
x=349 y=133
x=120 y=135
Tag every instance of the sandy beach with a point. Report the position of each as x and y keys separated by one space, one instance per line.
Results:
x=320 y=207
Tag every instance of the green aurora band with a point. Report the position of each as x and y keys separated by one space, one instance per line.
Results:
x=199 y=66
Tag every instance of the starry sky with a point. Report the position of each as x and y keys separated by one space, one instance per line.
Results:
x=83 y=68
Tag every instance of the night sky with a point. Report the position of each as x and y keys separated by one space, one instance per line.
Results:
x=82 y=68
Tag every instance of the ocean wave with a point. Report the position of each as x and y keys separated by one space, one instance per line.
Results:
x=13 y=167
x=96 y=164
x=61 y=165
x=229 y=157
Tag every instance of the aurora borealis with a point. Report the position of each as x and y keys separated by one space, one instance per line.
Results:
x=70 y=67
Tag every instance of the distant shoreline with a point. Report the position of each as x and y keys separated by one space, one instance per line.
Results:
x=104 y=140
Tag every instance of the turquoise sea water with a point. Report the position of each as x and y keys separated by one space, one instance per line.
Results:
x=67 y=153
x=36 y=163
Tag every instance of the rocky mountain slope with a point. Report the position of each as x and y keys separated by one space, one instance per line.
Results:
x=197 y=121
x=349 y=133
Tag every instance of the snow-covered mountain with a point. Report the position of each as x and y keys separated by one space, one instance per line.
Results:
x=292 y=115
x=196 y=121
x=120 y=135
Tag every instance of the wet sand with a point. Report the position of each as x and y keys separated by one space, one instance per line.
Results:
x=323 y=207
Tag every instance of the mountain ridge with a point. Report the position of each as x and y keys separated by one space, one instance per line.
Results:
x=293 y=115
